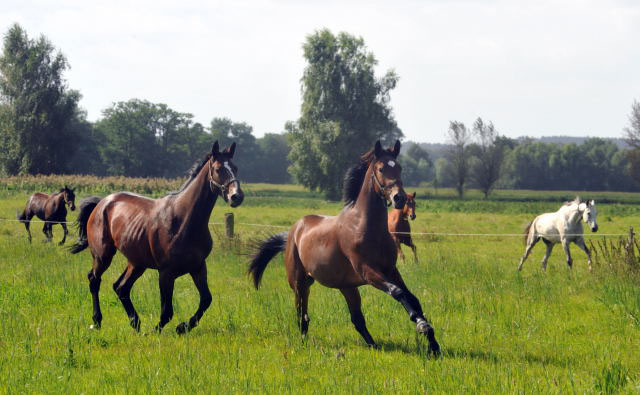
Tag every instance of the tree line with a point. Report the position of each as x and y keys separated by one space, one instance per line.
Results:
x=345 y=108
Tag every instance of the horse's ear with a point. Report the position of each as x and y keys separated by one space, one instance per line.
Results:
x=396 y=149
x=215 y=149
x=592 y=202
x=414 y=195
x=378 y=149
x=231 y=150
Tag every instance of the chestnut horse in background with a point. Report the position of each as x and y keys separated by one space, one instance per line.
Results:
x=170 y=234
x=399 y=225
x=51 y=209
x=351 y=249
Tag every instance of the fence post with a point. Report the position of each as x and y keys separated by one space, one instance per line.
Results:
x=228 y=224
x=630 y=250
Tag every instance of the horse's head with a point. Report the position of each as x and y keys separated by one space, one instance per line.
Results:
x=69 y=197
x=410 y=206
x=386 y=175
x=589 y=213
x=222 y=174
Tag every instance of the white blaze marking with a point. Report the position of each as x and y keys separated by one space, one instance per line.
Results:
x=391 y=163
x=226 y=165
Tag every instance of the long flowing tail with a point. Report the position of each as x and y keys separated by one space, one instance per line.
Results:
x=22 y=217
x=266 y=250
x=526 y=232
x=86 y=208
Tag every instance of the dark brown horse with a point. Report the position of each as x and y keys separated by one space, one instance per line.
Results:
x=169 y=234
x=51 y=209
x=350 y=250
x=399 y=225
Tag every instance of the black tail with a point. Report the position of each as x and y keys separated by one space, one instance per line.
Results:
x=266 y=250
x=22 y=217
x=86 y=207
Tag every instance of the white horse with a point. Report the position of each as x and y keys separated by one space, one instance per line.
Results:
x=564 y=227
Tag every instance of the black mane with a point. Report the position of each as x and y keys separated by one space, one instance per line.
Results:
x=193 y=172
x=354 y=178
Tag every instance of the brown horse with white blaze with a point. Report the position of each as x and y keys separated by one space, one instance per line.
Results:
x=399 y=225
x=52 y=209
x=351 y=249
x=169 y=234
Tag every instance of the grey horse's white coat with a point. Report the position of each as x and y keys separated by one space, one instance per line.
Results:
x=564 y=226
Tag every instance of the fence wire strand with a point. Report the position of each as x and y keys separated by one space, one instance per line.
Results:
x=442 y=234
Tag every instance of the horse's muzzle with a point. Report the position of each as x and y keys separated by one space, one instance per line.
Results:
x=413 y=217
x=236 y=199
x=594 y=228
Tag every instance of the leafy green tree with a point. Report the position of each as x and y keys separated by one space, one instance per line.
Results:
x=275 y=149
x=36 y=107
x=345 y=108
x=144 y=139
x=458 y=155
x=486 y=170
x=417 y=166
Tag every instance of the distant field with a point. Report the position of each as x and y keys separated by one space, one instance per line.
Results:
x=500 y=330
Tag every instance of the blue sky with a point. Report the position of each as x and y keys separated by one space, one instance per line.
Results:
x=533 y=68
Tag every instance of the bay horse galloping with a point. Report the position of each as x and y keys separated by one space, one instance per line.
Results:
x=51 y=209
x=350 y=250
x=399 y=225
x=169 y=234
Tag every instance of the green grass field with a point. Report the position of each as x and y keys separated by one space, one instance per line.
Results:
x=500 y=330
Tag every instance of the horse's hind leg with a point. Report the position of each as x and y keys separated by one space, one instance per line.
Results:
x=527 y=251
x=352 y=296
x=123 y=286
x=166 y=280
x=95 y=278
x=391 y=282
x=200 y=280
x=547 y=254
x=27 y=224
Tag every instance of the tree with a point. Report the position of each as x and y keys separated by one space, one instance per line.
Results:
x=632 y=134
x=345 y=108
x=487 y=168
x=458 y=156
x=274 y=149
x=36 y=107
x=144 y=139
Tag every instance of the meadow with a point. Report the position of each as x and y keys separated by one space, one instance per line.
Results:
x=500 y=330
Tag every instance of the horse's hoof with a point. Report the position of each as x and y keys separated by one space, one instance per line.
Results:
x=182 y=328
x=158 y=329
x=434 y=348
x=94 y=327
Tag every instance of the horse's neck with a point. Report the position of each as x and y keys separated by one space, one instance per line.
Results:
x=370 y=207
x=57 y=197
x=571 y=213
x=195 y=202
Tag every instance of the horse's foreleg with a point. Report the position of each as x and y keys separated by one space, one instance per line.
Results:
x=547 y=254
x=123 y=286
x=393 y=284
x=567 y=252
x=46 y=229
x=527 y=251
x=414 y=249
x=166 y=281
x=580 y=242
x=64 y=237
x=354 y=302
x=200 y=280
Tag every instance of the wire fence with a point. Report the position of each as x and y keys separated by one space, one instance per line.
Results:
x=426 y=234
